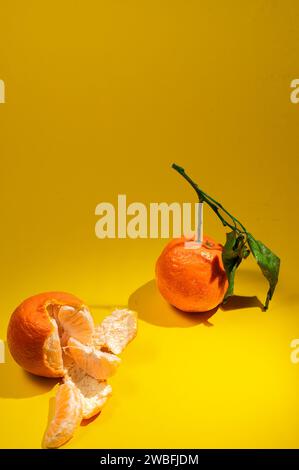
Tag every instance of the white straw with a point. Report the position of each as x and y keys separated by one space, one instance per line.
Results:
x=199 y=238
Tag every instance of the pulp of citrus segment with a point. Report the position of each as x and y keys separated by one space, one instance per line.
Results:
x=52 y=350
x=191 y=276
x=68 y=415
x=98 y=364
x=116 y=331
x=94 y=393
x=78 y=324
x=53 y=335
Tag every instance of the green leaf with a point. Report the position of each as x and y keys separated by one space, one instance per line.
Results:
x=268 y=262
x=233 y=252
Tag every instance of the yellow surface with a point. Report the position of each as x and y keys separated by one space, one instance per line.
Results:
x=101 y=97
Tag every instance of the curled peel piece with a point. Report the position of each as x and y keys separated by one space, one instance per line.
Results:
x=116 y=331
x=67 y=416
x=97 y=364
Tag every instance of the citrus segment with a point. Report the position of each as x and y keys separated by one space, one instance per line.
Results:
x=94 y=393
x=76 y=323
x=52 y=350
x=98 y=364
x=116 y=331
x=67 y=416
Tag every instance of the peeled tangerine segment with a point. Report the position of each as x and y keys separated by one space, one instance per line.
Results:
x=98 y=364
x=67 y=417
x=76 y=323
x=52 y=350
x=94 y=393
x=116 y=331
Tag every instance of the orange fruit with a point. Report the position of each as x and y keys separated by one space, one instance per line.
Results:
x=67 y=416
x=33 y=334
x=191 y=277
x=53 y=335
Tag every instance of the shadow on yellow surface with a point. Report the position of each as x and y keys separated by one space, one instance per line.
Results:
x=17 y=383
x=152 y=308
x=86 y=422
x=236 y=302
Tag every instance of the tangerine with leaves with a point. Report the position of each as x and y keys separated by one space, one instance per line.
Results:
x=199 y=277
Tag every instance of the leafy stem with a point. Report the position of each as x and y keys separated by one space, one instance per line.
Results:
x=214 y=205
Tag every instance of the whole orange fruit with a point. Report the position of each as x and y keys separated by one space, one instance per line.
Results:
x=191 y=277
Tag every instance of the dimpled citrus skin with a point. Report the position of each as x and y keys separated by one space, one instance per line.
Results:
x=192 y=279
x=29 y=328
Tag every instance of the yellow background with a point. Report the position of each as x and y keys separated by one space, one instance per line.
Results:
x=101 y=98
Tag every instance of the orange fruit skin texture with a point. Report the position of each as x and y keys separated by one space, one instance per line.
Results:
x=29 y=328
x=192 y=279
